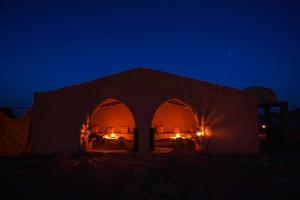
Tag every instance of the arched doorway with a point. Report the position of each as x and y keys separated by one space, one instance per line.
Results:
x=175 y=127
x=111 y=128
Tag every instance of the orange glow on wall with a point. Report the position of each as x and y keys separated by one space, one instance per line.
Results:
x=112 y=114
x=205 y=131
x=172 y=117
x=84 y=133
x=109 y=126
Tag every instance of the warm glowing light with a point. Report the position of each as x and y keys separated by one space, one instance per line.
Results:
x=177 y=135
x=264 y=126
x=200 y=133
x=111 y=136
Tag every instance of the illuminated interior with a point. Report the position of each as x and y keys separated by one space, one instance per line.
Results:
x=111 y=127
x=175 y=127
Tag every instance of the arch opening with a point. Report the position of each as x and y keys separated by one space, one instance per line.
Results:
x=175 y=127
x=110 y=128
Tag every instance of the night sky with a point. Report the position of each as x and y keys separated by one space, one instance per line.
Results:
x=44 y=46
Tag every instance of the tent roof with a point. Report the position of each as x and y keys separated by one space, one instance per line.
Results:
x=138 y=74
x=263 y=94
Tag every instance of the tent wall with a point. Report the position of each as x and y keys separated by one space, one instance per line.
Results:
x=116 y=116
x=14 y=134
x=169 y=116
x=58 y=115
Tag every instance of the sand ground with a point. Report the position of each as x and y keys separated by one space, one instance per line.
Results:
x=269 y=175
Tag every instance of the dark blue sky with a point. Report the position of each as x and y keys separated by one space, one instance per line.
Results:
x=44 y=46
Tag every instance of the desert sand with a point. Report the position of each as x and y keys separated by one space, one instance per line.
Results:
x=270 y=175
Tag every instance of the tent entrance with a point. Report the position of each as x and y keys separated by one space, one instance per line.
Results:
x=174 y=127
x=110 y=128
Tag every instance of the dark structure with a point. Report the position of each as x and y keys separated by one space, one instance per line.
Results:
x=128 y=104
x=8 y=111
x=267 y=100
